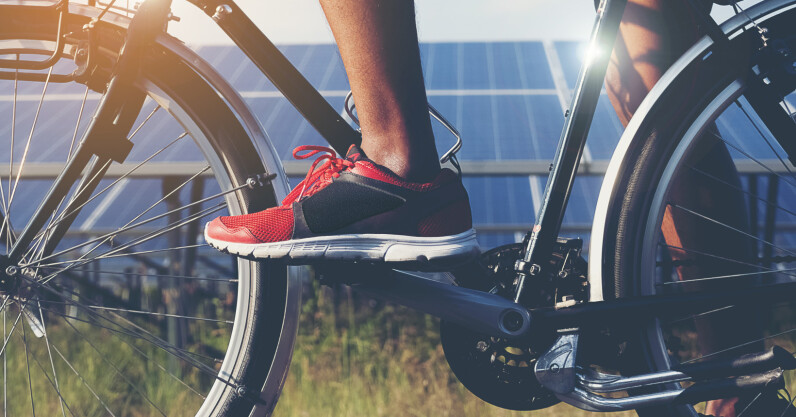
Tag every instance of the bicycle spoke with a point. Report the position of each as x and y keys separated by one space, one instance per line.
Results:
x=83 y=380
x=749 y=405
x=746 y=274
x=726 y=226
x=762 y=339
x=27 y=365
x=169 y=194
x=132 y=226
x=5 y=365
x=27 y=146
x=170 y=349
x=13 y=326
x=133 y=274
x=53 y=384
x=13 y=135
x=790 y=404
x=723 y=258
x=755 y=160
x=758 y=198
x=65 y=215
x=50 y=356
x=149 y=359
x=765 y=138
x=115 y=368
x=139 y=333
x=124 y=310
x=143 y=239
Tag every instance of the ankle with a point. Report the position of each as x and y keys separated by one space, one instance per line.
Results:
x=413 y=166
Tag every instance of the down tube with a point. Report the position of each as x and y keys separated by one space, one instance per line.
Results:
x=573 y=136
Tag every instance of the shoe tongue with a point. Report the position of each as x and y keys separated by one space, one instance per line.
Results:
x=355 y=154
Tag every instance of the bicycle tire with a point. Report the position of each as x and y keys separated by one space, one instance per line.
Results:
x=256 y=355
x=672 y=133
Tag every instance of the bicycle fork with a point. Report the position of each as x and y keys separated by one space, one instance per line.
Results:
x=105 y=138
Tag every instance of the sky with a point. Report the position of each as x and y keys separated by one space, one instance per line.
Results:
x=302 y=21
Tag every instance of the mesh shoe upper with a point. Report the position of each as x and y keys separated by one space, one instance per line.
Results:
x=354 y=196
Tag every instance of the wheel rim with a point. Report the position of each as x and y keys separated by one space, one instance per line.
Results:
x=197 y=382
x=662 y=338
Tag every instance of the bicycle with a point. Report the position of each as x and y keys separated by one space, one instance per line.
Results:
x=540 y=294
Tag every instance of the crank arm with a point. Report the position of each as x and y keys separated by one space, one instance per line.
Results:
x=479 y=311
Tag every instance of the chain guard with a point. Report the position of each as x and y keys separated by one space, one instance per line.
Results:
x=496 y=370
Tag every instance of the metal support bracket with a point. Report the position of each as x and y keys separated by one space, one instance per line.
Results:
x=556 y=369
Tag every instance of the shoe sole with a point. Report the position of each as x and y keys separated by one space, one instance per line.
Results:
x=359 y=247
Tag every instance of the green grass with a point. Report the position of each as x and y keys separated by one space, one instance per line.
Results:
x=353 y=357
x=356 y=359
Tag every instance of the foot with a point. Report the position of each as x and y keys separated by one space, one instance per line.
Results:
x=353 y=209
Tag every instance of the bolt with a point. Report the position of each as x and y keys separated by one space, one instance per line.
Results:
x=555 y=368
x=251 y=182
x=221 y=12
x=12 y=270
x=563 y=274
x=482 y=346
x=513 y=321
x=241 y=390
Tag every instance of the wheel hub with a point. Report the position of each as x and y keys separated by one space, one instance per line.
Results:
x=9 y=277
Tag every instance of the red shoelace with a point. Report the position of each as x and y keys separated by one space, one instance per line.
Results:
x=317 y=179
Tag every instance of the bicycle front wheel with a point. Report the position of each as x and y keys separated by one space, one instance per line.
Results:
x=709 y=204
x=127 y=311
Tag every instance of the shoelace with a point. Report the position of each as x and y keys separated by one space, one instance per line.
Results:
x=315 y=178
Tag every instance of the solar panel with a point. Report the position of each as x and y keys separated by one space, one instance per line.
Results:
x=500 y=95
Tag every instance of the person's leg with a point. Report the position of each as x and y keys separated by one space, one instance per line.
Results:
x=377 y=40
x=653 y=34
x=388 y=201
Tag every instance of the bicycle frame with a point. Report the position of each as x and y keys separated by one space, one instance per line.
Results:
x=479 y=311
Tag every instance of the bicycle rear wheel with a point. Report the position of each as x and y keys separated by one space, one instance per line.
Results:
x=708 y=204
x=130 y=312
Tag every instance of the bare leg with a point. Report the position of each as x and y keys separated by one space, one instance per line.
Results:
x=652 y=35
x=378 y=43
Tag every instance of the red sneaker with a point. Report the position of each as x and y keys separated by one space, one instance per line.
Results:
x=353 y=209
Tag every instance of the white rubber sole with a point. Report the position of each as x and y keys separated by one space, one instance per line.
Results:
x=358 y=247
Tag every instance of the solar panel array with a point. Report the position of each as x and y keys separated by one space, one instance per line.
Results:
x=506 y=98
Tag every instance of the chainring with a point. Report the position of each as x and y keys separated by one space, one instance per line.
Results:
x=496 y=370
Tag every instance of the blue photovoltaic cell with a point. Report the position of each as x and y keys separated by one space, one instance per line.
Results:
x=580 y=209
x=534 y=70
x=500 y=200
x=324 y=62
x=441 y=66
x=502 y=58
x=476 y=125
x=569 y=55
x=605 y=130
x=476 y=72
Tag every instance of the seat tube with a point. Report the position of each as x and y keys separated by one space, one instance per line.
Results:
x=571 y=144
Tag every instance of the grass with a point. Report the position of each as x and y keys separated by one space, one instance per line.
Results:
x=353 y=357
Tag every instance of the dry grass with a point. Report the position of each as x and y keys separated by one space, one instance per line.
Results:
x=378 y=361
